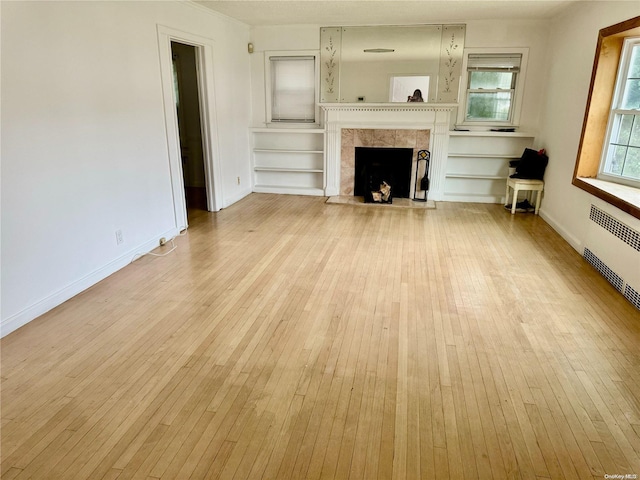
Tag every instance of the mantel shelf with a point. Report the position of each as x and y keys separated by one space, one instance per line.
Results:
x=399 y=106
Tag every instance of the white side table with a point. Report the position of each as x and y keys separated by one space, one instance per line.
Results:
x=523 y=184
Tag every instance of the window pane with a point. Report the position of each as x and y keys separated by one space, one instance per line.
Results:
x=631 y=97
x=617 y=153
x=489 y=106
x=491 y=80
x=632 y=163
x=635 y=131
x=622 y=129
x=634 y=66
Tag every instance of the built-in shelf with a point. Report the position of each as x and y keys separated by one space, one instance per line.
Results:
x=286 y=130
x=489 y=134
x=284 y=150
x=288 y=160
x=287 y=189
x=478 y=164
x=286 y=169
x=478 y=177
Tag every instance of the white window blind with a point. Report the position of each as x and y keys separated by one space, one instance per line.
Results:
x=293 y=89
x=494 y=62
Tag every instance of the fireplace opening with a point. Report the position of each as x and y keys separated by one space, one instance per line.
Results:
x=377 y=166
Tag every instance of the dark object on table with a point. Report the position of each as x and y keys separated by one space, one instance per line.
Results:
x=531 y=165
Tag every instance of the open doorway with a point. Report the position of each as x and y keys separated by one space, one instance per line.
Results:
x=185 y=80
x=202 y=49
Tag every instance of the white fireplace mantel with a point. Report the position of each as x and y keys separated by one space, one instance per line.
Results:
x=414 y=116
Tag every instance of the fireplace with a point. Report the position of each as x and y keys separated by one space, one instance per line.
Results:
x=421 y=126
x=376 y=166
x=381 y=139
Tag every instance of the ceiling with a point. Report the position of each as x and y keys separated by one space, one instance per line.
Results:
x=382 y=12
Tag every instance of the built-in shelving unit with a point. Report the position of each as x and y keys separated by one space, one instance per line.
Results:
x=288 y=160
x=478 y=164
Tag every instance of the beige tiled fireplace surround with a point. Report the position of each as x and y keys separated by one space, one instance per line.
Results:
x=373 y=137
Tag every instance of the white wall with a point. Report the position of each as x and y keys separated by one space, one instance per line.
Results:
x=275 y=38
x=487 y=33
x=84 y=149
x=532 y=34
x=573 y=38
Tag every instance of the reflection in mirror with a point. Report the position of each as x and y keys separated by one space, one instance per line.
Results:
x=373 y=56
x=413 y=84
x=380 y=64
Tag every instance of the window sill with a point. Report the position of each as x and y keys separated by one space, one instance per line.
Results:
x=623 y=197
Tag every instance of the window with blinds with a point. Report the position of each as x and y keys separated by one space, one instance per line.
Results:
x=491 y=87
x=293 y=96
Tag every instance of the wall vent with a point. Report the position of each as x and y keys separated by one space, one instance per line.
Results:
x=615 y=227
x=605 y=253
x=632 y=295
x=606 y=272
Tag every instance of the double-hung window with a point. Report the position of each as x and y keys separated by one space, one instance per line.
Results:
x=491 y=88
x=293 y=88
x=621 y=151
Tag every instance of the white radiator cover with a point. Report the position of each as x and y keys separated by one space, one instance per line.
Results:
x=609 y=245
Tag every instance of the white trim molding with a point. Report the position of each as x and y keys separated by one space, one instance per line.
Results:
x=518 y=91
x=204 y=60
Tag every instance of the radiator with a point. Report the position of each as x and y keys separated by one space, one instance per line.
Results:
x=613 y=249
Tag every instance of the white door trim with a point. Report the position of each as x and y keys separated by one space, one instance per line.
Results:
x=204 y=64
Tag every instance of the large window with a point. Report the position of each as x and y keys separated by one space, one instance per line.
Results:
x=621 y=153
x=492 y=86
x=293 y=92
x=608 y=150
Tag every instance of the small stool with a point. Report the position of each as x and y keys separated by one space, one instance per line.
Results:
x=519 y=184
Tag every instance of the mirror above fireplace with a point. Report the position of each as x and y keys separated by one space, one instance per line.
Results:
x=386 y=64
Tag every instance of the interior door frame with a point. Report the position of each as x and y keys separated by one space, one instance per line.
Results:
x=206 y=96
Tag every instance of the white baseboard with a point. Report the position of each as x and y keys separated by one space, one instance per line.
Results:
x=41 y=307
x=571 y=239
x=236 y=198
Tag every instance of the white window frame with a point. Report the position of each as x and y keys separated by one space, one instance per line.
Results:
x=621 y=77
x=268 y=91
x=518 y=94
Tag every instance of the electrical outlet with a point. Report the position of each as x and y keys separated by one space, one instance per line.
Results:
x=163 y=241
x=119 y=237
x=238 y=180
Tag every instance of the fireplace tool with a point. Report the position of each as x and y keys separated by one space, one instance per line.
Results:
x=424 y=158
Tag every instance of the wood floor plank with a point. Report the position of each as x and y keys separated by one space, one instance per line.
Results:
x=286 y=338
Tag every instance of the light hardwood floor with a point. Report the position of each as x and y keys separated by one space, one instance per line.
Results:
x=290 y=339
